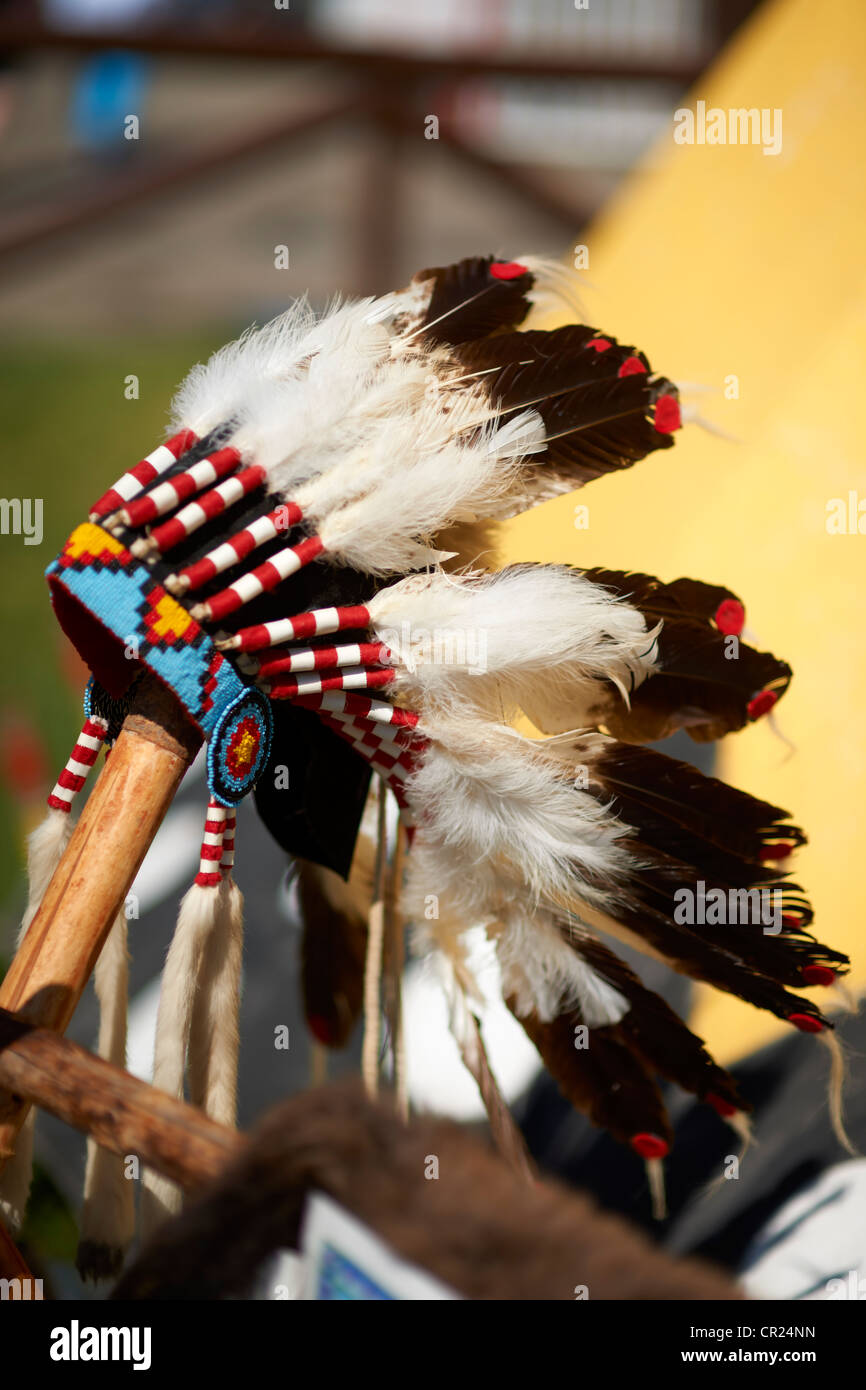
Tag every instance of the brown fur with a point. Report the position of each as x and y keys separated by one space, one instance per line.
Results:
x=478 y=1228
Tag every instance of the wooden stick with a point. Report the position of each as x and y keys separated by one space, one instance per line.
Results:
x=120 y=1112
x=373 y=960
x=503 y=1128
x=393 y=966
x=47 y=976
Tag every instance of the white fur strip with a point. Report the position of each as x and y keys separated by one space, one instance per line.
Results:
x=214 y=1037
x=160 y=1197
x=17 y=1176
x=45 y=848
x=108 y=1217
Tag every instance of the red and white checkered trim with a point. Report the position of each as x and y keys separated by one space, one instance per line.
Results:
x=209 y=874
x=195 y=514
x=319 y=622
x=377 y=744
x=391 y=760
x=165 y=496
x=379 y=711
x=81 y=760
x=259 y=581
x=231 y=551
x=397 y=738
x=139 y=477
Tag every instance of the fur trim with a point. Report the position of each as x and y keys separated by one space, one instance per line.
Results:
x=108 y=1216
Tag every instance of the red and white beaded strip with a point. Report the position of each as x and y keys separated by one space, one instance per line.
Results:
x=195 y=514
x=173 y=491
x=144 y=473
x=228 y=855
x=307 y=683
x=284 y=660
x=234 y=549
x=209 y=874
x=258 y=581
x=81 y=760
x=318 y=622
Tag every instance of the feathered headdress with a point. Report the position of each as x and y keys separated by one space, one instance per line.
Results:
x=279 y=564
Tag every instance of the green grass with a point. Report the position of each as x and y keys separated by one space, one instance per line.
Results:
x=68 y=432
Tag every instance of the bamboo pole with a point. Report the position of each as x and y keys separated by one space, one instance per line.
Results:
x=157 y=743
x=120 y=1112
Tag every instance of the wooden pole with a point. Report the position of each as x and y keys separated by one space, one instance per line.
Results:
x=120 y=1112
x=393 y=966
x=47 y=976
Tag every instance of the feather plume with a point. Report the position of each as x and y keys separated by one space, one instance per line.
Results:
x=597 y=401
x=495 y=811
x=604 y=1079
x=541 y=974
x=536 y=638
x=659 y=1036
x=708 y=678
x=454 y=303
x=505 y=830
x=378 y=429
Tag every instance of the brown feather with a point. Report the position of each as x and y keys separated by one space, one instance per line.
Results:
x=465 y=301
x=704 y=685
x=597 y=421
x=604 y=1080
x=653 y=1030
x=702 y=957
x=334 y=943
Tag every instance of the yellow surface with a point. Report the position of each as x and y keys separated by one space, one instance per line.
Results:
x=720 y=260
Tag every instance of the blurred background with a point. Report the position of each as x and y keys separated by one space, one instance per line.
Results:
x=173 y=170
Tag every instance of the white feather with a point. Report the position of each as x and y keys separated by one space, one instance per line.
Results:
x=496 y=814
x=500 y=834
x=546 y=977
x=295 y=347
x=541 y=638
x=215 y=390
x=421 y=492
